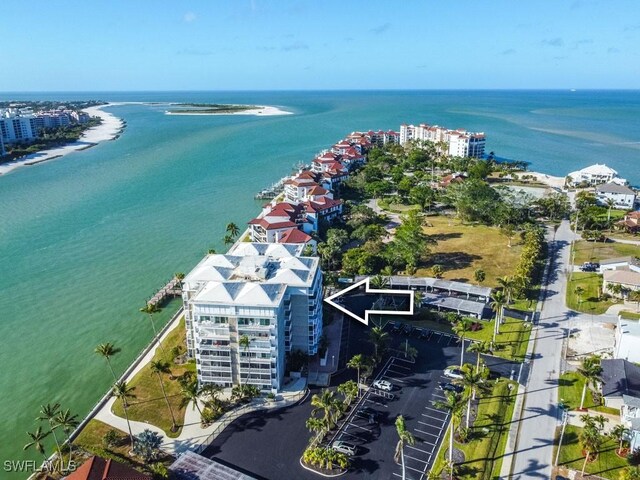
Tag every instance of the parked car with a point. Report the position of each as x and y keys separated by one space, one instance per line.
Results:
x=590 y=267
x=407 y=329
x=417 y=331
x=450 y=387
x=391 y=325
x=383 y=385
x=396 y=328
x=344 y=447
x=453 y=372
x=424 y=333
x=369 y=413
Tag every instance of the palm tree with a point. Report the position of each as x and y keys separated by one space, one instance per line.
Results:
x=190 y=393
x=48 y=414
x=68 y=423
x=150 y=309
x=472 y=381
x=590 y=439
x=37 y=439
x=417 y=299
x=378 y=337
x=404 y=436
x=179 y=276
x=123 y=391
x=437 y=271
x=245 y=343
x=159 y=368
x=461 y=328
x=357 y=362
x=479 y=275
x=508 y=285
x=452 y=403
x=634 y=296
x=579 y=291
x=378 y=281
x=325 y=402
x=228 y=240
x=610 y=203
x=108 y=350
x=497 y=305
x=479 y=348
x=316 y=425
x=591 y=371
x=349 y=391
x=211 y=251
x=619 y=434
x=232 y=229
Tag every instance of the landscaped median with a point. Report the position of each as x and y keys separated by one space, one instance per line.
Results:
x=487 y=438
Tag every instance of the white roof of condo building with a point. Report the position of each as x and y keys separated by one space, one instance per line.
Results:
x=251 y=274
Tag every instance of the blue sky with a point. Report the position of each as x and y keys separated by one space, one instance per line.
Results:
x=259 y=45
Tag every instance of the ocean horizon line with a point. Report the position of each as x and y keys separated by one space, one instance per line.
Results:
x=334 y=90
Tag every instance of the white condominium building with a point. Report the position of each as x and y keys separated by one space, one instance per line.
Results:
x=17 y=127
x=265 y=292
x=595 y=175
x=460 y=143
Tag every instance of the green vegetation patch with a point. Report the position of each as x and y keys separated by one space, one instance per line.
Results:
x=463 y=248
x=149 y=405
x=208 y=108
x=598 y=251
x=630 y=315
x=607 y=464
x=589 y=301
x=570 y=393
x=484 y=452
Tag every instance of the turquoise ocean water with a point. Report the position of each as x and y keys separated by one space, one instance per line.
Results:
x=85 y=239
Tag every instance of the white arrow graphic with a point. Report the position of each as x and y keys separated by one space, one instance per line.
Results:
x=368 y=289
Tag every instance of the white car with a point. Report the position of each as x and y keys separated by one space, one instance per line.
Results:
x=344 y=447
x=453 y=372
x=383 y=385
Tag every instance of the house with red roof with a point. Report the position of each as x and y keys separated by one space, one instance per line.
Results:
x=324 y=209
x=98 y=468
x=276 y=220
x=298 y=188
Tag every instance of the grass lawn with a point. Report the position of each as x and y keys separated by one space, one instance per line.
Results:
x=512 y=341
x=607 y=463
x=90 y=439
x=462 y=248
x=483 y=453
x=630 y=315
x=598 y=251
x=592 y=285
x=149 y=405
x=570 y=393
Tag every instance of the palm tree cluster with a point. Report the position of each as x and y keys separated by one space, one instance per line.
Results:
x=325 y=458
x=208 y=395
x=327 y=411
x=56 y=419
x=591 y=437
x=232 y=232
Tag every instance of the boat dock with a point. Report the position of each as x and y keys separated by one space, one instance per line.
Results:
x=273 y=191
x=172 y=289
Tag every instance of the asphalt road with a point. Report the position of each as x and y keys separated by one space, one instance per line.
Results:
x=534 y=449
x=268 y=445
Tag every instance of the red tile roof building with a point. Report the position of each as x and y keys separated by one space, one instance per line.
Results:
x=97 y=468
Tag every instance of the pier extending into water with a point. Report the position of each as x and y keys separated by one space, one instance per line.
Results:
x=172 y=289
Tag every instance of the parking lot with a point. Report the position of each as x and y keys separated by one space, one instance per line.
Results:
x=248 y=444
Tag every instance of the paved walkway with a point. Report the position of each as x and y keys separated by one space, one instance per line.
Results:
x=193 y=436
x=574 y=419
x=624 y=240
x=320 y=374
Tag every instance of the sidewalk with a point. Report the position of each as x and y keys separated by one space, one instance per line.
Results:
x=193 y=436
x=320 y=374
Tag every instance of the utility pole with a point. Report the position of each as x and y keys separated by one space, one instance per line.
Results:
x=565 y=419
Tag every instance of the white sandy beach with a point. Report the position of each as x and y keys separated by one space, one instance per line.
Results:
x=261 y=111
x=110 y=128
x=553 y=182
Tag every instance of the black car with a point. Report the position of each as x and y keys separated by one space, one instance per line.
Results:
x=424 y=333
x=418 y=332
x=396 y=328
x=369 y=413
x=407 y=329
x=391 y=325
x=450 y=387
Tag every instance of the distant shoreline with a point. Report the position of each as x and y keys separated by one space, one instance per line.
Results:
x=259 y=111
x=110 y=129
